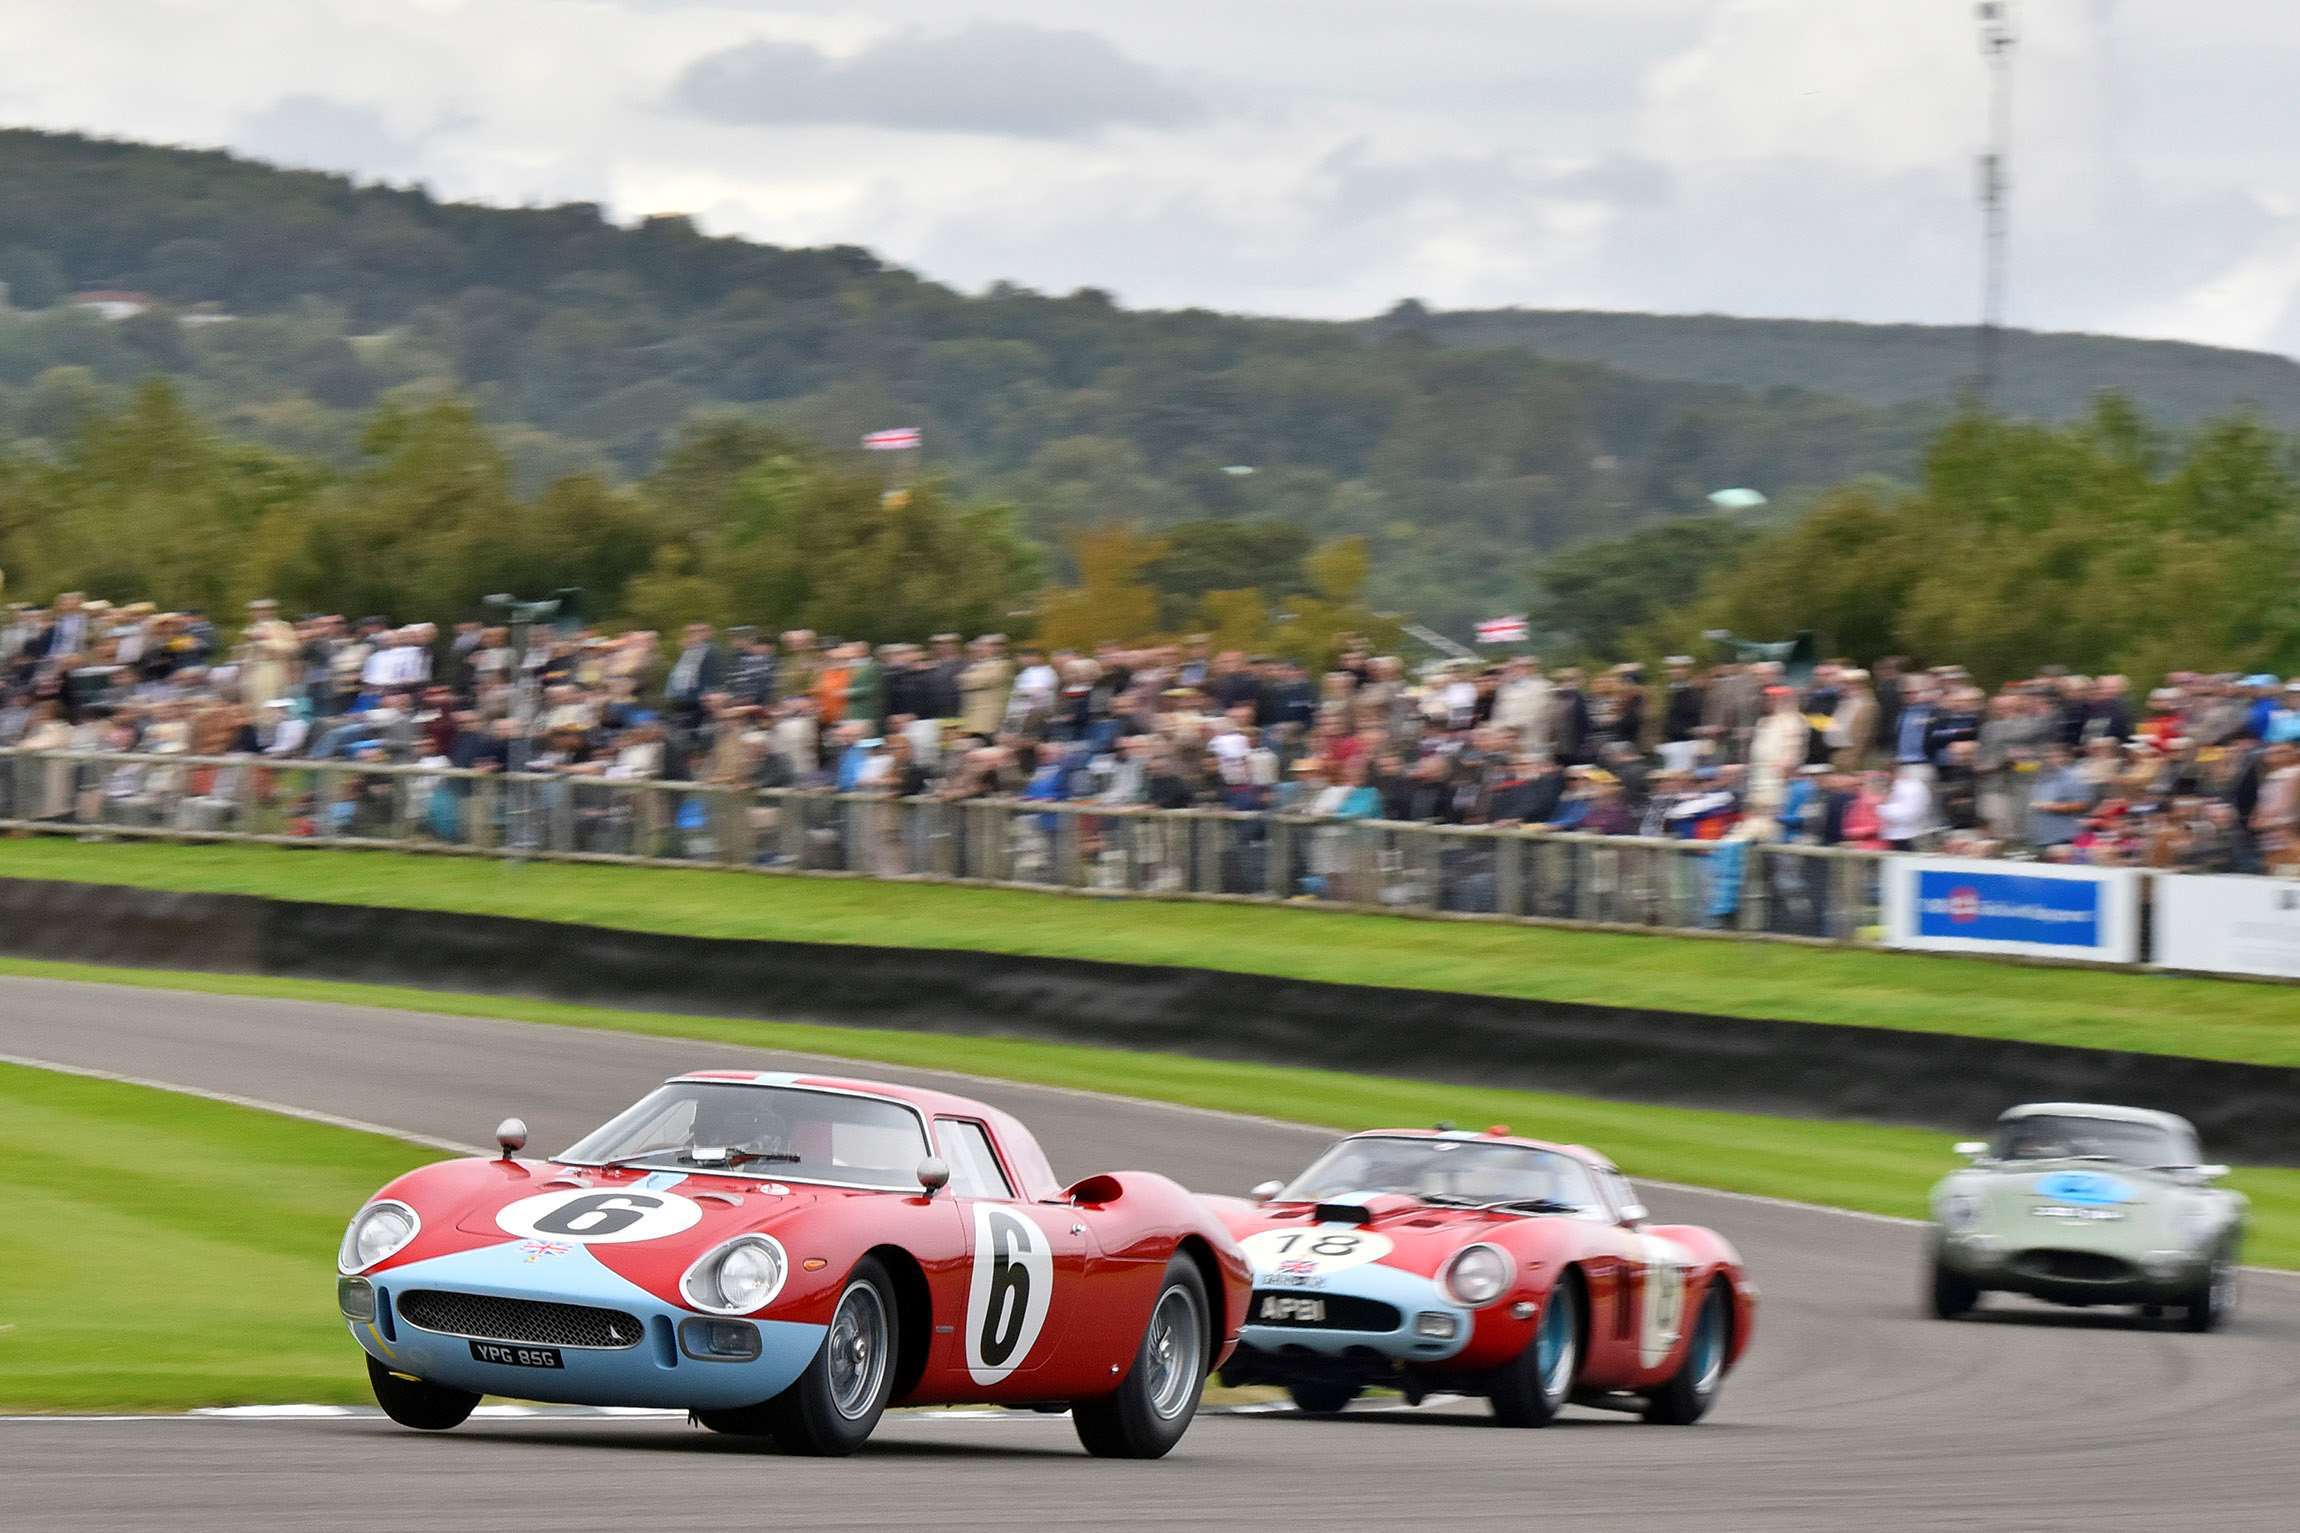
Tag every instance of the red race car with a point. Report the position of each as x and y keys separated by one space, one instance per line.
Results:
x=1483 y=1264
x=787 y=1255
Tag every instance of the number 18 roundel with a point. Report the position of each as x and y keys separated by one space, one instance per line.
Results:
x=1009 y=1294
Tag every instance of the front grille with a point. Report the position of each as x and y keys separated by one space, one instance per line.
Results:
x=487 y=1318
x=1339 y=1312
x=2075 y=1266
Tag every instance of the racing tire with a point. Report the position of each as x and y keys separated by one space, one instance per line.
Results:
x=1531 y=1388
x=1322 y=1399
x=1146 y=1415
x=1692 y=1389
x=414 y=1403
x=1951 y=1295
x=2214 y=1296
x=833 y=1407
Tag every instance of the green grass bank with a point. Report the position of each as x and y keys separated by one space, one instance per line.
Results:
x=2205 y=1018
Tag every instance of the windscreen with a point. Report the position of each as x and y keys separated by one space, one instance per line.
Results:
x=1448 y=1171
x=2055 y=1136
x=779 y=1132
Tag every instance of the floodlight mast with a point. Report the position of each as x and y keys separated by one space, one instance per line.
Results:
x=1995 y=192
x=519 y=797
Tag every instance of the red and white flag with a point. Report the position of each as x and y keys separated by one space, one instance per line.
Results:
x=1502 y=630
x=896 y=440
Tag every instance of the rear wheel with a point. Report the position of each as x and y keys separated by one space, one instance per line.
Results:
x=1692 y=1389
x=413 y=1403
x=1530 y=1389
x=1951 y=1294
x=1321 y=1399
x=834 y=1406
x=1151 y=1409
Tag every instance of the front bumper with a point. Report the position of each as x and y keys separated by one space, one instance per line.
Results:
x=2061 y=1275
x=1384 y=1322
x=655 y=1370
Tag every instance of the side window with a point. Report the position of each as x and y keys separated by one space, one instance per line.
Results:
x=974 y=1169
x=1574 y=1186
x=1617 y=1187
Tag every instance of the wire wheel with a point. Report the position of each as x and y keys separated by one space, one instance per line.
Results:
x=1176 y=1353
x=857 y=1351
x=1556 y=1343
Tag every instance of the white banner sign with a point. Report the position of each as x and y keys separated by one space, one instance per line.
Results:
x=2228 y=925
x=2033 y=909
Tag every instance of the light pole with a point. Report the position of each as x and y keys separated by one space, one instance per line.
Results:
x=519 y=795
x=1995 y=187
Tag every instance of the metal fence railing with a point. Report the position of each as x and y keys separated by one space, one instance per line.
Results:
x=1796 y=891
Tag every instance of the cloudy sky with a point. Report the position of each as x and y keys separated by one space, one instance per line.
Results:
x=1317 y=157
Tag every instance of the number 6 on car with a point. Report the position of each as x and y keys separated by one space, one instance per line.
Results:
x=785 y=1256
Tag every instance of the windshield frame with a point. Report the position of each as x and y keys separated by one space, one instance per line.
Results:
x=1599 y=1211
x=773 y=1173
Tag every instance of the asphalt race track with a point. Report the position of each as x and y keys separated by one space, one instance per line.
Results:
x=1851 y=1411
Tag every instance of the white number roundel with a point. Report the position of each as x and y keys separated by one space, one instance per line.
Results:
x=1009 y=1293
x=1313 y=1251
x=599 y=1216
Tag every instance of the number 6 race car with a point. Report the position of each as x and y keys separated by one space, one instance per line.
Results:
x=785 y=1256
x=1487 y=1265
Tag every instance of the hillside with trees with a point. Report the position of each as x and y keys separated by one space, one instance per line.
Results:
x=309 y=318
x=2044 y=377
x=289 y=306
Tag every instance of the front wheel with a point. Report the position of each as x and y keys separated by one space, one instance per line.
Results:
x=1148 y=1412
x=835 y=1405
x=1692 y=1389
x=1531 y=1388
x=1951 y=1295
x=2213 y=1297
x=413 y=1403
x=1321 y=1399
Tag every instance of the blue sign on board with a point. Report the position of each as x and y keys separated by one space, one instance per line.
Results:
x=2008 y=907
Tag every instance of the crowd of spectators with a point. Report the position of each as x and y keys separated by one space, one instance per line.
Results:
x=2201 y=773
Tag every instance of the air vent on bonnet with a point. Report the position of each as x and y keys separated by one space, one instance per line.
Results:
x=1343 y=1213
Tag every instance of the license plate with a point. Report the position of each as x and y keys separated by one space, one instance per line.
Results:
x=516 y=1357
x=1287 y=1309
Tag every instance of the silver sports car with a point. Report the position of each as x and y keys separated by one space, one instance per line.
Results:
x=2082 y=1204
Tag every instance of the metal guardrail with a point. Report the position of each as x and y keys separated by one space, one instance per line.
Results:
x=1817 y=893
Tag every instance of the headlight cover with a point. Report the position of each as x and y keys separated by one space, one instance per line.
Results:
x=736 y=1277
x=1478 y=1275
x=380 y=1230
x=1960 y=1211
x=2198 y=1222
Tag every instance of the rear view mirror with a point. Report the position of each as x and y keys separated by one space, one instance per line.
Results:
x=2210 y=1173
x=1266 y=1191
x=1972 y=1147
x=933 y=1174
x=1635 y=1213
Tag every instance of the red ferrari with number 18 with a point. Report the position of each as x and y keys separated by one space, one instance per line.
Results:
x=1484 y=1264
x=787 y=1255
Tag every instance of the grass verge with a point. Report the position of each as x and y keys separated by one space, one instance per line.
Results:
x=160 y=1251
x=2149 y=1013
x=1868 y=1167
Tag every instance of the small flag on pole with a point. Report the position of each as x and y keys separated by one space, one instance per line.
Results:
x=899 y=439
x=1502 y=630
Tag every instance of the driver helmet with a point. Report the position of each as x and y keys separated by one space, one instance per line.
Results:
x=739 y=1118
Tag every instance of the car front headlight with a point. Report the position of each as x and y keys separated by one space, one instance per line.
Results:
x=2197 y=1223
x=1478 y=1275
x=1960 y=1211
x=736 y=1278
x=380 y=1230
